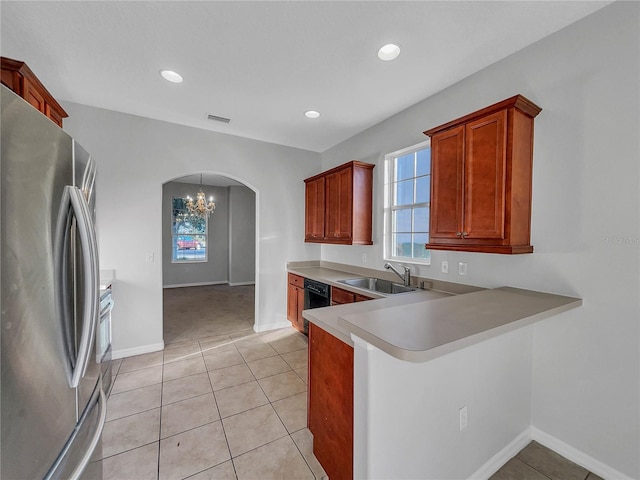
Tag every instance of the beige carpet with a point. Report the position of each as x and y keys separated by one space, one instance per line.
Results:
x=197 y=312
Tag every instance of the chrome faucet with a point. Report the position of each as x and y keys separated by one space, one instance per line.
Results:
x=406 y=276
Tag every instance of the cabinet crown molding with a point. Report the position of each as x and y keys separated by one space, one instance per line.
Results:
x=17 y=76
x=519 y=102
x=352 y=163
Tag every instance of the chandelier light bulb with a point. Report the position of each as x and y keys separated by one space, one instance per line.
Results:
x=200 y=207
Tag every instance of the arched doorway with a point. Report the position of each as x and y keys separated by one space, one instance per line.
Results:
x=208 y=265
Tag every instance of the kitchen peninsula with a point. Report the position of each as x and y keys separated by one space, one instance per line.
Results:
x=441 y=378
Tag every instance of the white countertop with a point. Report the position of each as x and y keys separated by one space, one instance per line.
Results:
x=425 y=330
x=420 y=326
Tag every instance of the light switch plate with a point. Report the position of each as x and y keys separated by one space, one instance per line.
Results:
x=445 y=266
x=463 y=417
x=462 y=268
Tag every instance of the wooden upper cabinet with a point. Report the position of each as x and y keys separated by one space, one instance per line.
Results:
x=314 y=202
x=484 y=174
x=338 y=205
x=446 y=183
x=18 y=77
x=481 y=169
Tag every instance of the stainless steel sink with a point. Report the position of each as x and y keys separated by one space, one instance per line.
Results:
x=378 y=285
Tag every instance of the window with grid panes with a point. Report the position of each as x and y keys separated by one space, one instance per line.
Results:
x=407 y=203
x=188 y=234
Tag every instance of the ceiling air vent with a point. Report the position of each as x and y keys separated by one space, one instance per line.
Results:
x=218 y=119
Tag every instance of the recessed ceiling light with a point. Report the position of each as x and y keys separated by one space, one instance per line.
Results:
x=171 y=76
x=388 y=52
x=311 y=114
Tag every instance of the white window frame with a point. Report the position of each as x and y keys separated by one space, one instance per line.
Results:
x=174 y=235
x=389 y=181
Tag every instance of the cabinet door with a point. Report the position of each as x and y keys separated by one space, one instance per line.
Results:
x=33 y=96
x=292 y=303
x=330 y=412
x=362 y=298
x=485 y=169
x=53 y=114
x=300 y=304
x=447 y=169
x=339 y=206
x=295 y=305
x=314 y=209
x=340 y=296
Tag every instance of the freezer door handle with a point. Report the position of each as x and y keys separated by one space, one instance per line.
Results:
x=87 y=234
x=77 y=472
x=81 y=446
x=74 y=202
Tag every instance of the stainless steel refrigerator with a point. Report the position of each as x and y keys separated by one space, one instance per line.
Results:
x=53 y=407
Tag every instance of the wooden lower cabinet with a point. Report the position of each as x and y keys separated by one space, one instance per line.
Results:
x=340 y=296
x=330 y=412
x=295 y=301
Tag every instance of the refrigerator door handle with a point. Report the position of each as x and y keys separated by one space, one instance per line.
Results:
x=77 y=472
x=87 y=234
x=75 y=199
x=62 y=291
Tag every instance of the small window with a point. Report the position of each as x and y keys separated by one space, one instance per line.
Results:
x=188 y=234
x=407 y=203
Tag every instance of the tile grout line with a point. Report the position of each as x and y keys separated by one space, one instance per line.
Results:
x=269 y=403
x=130 y=449
x=289 y=434
x=160 y=423
x=235 y=341
x=224 y=432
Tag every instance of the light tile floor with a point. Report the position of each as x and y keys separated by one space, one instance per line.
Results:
x=537 y=462
x=224 y=402
x=227 y=406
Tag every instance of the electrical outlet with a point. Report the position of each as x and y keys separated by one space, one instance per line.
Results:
x=462 y=268
x=463 y=417
x=445 y=266
x=364 y=258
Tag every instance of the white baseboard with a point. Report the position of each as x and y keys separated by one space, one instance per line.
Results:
x=577 y=456
x=503 y=456
x=239 y=284
x=272 y=326
x=532 y=433
x=130 y=352
x=199 y=284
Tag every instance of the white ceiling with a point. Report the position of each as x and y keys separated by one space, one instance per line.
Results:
x=263 y=64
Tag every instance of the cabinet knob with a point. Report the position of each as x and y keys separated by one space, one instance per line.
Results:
x=465 y=234
x=458 y=234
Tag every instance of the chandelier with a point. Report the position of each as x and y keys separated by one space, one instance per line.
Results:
x=200 y=207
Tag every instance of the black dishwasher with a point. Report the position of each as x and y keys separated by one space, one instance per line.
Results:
x=316 y=295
